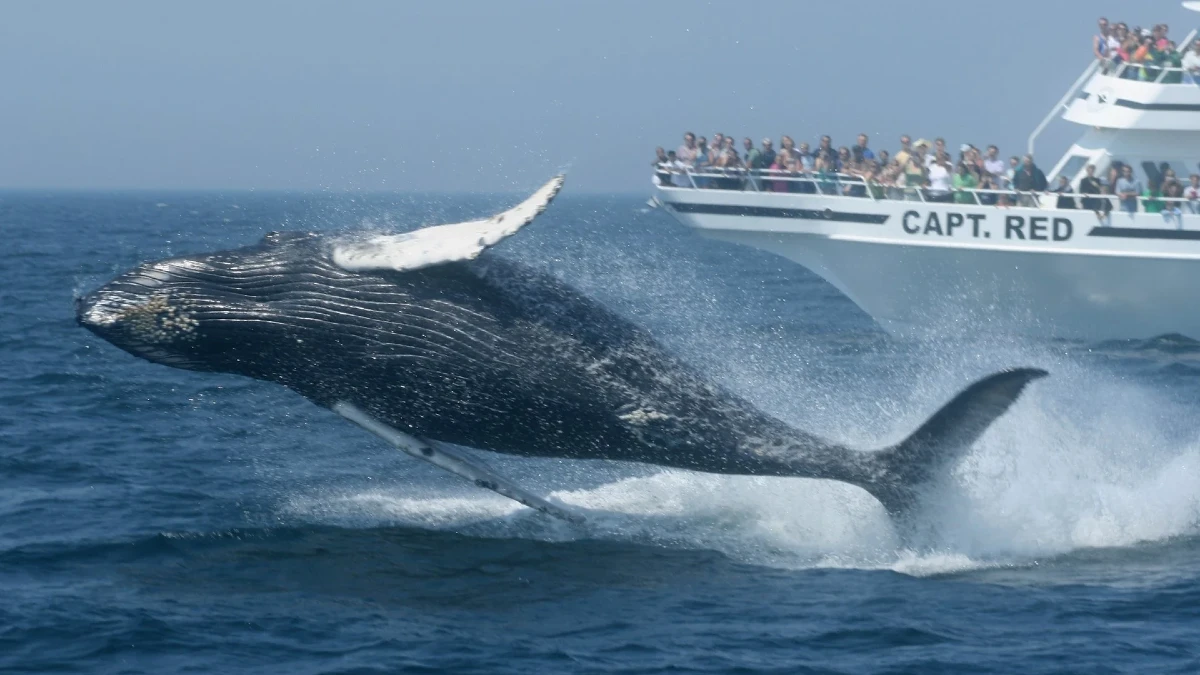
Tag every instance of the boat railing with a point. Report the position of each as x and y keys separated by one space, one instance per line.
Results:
x=1162 y=72
x=858 y=187
x=1144 y=72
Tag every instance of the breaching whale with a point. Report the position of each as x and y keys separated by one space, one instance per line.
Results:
x=428 y=339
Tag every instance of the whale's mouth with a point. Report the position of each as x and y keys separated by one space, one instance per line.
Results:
x=138 y=313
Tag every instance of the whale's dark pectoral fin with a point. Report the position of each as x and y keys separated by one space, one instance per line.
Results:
x=452 y=461
x=931 y=450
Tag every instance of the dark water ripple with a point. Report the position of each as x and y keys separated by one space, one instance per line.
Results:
x=159 y=521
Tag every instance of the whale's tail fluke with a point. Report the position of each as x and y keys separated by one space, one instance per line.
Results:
x=901 y=472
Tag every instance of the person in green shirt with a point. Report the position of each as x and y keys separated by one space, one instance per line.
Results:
x=826 y=175
x=1152 y=198
x=1174 y=60
x=753 y=155
x=964 y=180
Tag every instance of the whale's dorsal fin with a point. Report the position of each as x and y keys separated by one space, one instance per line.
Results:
x=443 y=243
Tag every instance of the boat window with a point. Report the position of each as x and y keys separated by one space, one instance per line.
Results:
x=1074 y=166
x=1153 y=174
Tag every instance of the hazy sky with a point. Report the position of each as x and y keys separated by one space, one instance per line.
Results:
x=496 y=95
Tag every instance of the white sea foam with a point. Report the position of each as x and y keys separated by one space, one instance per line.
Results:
x=1085 y=459
x=795 y=523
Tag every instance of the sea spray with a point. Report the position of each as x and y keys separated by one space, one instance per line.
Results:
x=1088 y=458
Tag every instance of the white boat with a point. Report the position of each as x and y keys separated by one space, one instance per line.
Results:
x=917 y=266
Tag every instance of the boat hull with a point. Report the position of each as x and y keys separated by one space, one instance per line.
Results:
x=924 y=268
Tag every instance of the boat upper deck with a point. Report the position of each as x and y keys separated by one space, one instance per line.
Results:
x=1137 y=164
x=1158 y=91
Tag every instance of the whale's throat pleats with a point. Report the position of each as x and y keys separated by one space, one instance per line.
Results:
x=486 y=353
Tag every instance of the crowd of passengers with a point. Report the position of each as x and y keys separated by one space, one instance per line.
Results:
x=927 y=171
x=1146 y=53
x=920 y=171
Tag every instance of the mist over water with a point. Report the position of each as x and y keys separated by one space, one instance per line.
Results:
x=226 y=524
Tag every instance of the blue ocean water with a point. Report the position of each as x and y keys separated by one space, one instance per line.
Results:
x=156 y=520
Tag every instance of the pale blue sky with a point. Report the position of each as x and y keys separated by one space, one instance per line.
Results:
x=497 y=95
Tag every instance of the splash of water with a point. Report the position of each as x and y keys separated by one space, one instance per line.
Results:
x=1091 y=457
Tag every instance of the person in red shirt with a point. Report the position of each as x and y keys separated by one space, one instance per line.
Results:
x=1160 y=37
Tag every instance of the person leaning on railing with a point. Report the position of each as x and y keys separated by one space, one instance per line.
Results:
x=1192 y=194
x=825 y=174
x=1027 y=180
x=688 y=151
x=939 y=179
x=1063 y=190
x=1152 y=198
x=679 y=172
x=767 y=156
x=725 y=160
x=1168 y=175
x=1148 y=50
x=1172 y=209
x=1090 y=185
x=701 y=162
x=964 y=181
x=1116 y=40
x=890 y=176
x=1128 y=189
x=1191 y=64
x=857 y=169
x=753 y=156
x=1172 y=61
x=778 y=167
x=874 y=178
x=915 y=176
x=1128 y=48
x=661 y=164
x=1100 y=45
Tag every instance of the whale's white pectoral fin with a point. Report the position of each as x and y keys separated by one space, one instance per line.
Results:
x=442 y=243
x=452 y=461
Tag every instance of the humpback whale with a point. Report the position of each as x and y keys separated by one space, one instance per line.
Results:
x=434 y=343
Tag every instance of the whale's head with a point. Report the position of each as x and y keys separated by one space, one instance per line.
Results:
x=226 y=311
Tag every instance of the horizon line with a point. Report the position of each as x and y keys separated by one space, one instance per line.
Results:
x=309 y=190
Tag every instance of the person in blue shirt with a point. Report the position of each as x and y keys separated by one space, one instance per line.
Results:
x=862 y=144
x=806 y=157
x=1128 y=190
